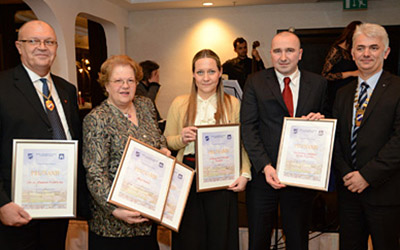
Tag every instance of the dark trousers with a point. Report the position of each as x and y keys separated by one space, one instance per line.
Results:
x=262 y=205
x=148 y=242
x=210 y=221
x=358 y=220
x=36 y=235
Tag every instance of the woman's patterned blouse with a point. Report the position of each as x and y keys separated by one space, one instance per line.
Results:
x=105 y=133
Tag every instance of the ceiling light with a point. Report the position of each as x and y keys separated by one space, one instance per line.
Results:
x=207 y=4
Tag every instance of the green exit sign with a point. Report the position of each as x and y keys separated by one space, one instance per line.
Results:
x=355 y=4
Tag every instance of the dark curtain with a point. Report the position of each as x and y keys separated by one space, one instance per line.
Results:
x=9 y=56
x=98 y=54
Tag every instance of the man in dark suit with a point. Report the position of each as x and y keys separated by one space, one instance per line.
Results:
x=367 y=147
x=269 y=96
x=25 y=110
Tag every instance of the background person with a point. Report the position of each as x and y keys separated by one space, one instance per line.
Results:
x=240 y=67
x=105 y=132
x=210 y=220
x=339 y=68
x=150 y=84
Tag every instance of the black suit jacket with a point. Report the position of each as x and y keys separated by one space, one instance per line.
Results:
x=22 y=116
x=378 y=140
x=263 y=110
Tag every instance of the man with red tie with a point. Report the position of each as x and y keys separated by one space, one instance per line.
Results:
x=269 y=96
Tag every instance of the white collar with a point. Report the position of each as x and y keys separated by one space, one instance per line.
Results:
x=292 y=76
x=35 y=77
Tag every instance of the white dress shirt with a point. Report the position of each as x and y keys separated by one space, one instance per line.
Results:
x=294 y=86
x=35 y=78
x=204 y=116
x=372 y=81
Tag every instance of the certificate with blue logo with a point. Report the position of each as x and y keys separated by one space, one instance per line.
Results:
x=142 y=180
x=305 y=152
x=177 y=196
x=44 y=177
x=218 y=156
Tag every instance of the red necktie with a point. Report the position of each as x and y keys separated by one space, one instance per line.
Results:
x=287 y=96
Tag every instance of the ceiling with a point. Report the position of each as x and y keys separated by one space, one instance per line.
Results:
x=134 y=5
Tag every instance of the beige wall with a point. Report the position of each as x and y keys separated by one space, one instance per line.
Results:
x=62 y=14
x=172 y=37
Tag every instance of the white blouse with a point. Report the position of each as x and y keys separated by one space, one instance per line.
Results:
x=204 y=116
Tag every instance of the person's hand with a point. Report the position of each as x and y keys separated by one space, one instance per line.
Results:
x=13 y=215
x=255 y=54
x=272 y=178
x=355 y=182
x=189 y=134
x=313 y=116
x=128 y=216
x=165 y=151
x=348 y=74
x=239 y=184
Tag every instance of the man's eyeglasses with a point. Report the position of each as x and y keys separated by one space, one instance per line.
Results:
x=37 y=42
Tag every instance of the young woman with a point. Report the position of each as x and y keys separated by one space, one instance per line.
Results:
x=210 y=220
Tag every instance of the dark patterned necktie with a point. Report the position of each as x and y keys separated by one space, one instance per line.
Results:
x=52 y=114
x=360 y=109
x=287 y=96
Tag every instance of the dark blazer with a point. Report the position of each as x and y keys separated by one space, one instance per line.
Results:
x=22 y=116
x=378 y=140
x=263 y=111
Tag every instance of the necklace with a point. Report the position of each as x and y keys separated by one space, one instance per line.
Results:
x=130 y=112
x=48 y=103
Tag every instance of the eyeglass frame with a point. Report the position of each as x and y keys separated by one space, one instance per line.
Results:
x=121 y=82
x=38 y=42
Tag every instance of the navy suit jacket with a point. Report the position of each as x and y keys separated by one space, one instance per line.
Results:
x=22 y=116
x=378 y=140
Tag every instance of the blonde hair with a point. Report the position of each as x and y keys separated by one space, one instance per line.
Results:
x=119 y=60
x=223 y=100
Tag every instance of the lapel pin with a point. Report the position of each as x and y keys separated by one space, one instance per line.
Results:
x=66 y=101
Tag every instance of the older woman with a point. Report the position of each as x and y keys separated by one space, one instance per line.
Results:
x=210 y=220
x=105 y=132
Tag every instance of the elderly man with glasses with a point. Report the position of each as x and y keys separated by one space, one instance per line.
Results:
x=34 y=104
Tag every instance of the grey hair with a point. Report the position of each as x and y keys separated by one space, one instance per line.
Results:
x=372 y=30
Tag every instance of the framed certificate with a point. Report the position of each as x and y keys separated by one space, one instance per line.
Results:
x=177 y=196
x=218 y=156
x=142 y=180
x=305 y=152
x=44 y=177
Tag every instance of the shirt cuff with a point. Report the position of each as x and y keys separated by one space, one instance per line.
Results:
x=247 y=175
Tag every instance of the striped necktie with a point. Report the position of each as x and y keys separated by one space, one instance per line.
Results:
x=52 y=114
x=361 y=105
